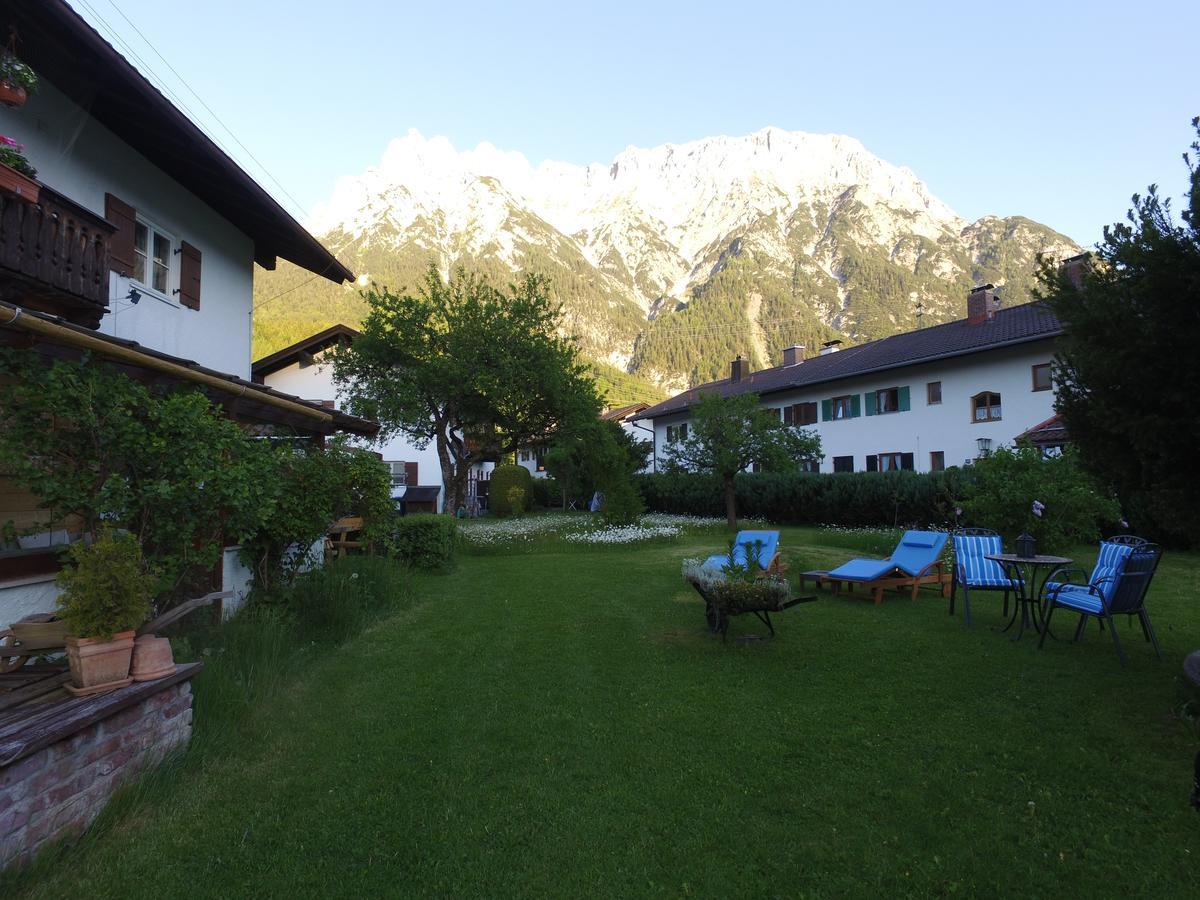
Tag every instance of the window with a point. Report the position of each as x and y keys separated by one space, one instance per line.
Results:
x=843 y=464
x=677 y=433
x=985 y=407
x=810 y=465
x=800 y=414
x=399 y=473
x=1041 y=377
x=937 y=461
x=153 y=255
x=888 y=400
x=890 y=462
x=843 y=407
x=933 y=393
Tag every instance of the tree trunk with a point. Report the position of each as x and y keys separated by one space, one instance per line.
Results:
x=453 y=496
x=730 y=502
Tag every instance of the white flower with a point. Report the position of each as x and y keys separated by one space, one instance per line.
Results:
x=1038 y=507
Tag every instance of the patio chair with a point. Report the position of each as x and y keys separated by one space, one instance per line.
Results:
x=1117 y=586
x=917 y=560
x=744 y=545
x=975 y=572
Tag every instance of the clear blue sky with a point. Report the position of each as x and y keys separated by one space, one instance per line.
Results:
x=1054 y=110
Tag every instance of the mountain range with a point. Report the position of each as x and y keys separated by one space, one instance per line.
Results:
x=669 y=261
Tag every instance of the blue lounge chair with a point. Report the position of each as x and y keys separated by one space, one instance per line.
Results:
x=917 y=560
x=975 y=572
x=767 y=557
x=1117 y=586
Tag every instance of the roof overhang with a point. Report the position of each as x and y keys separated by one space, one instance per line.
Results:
x=297 y=352
x=243 y=400
x=62 y=48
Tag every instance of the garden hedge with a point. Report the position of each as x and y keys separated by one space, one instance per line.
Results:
x=425 y=541
x=854 y=499
x=509 y=490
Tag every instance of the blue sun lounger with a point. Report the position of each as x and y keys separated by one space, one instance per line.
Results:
x=917 y=560
x=767 y=558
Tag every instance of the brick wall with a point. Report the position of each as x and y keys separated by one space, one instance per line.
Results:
x=59 y=790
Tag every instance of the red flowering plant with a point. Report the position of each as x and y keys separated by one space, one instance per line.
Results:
x=12 y=156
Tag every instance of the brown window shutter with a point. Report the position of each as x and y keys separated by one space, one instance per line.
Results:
x=906 y=462
x=120 y=245
x=873 y=463
x=189 y=276
x=410 y=473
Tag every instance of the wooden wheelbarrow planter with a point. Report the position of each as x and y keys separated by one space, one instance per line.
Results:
x=718 y=617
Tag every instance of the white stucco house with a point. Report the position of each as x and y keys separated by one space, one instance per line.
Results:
x=923 y=400
x=139 y=250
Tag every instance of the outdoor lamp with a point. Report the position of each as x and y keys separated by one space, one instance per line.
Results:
x=985 y=446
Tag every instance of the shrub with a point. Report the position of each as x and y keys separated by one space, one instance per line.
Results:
x=546 y=493
x=425 y=541
x=504 y=479
x=1008 y=482
x=622 y=503
x=107 y=587
x=857 y=499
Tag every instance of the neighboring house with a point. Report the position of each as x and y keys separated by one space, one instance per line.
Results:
x=304 y=370
x=627 y=418
x=139 y=251
x=923 y=400
x=1050 y=436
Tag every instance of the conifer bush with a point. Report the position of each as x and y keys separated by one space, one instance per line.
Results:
x=500 y=490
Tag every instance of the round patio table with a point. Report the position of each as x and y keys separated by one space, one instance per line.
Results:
x=1029 y=592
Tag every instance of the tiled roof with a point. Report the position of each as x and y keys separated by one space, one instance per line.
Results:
x=1014 y=325
x=1052 y=431
x=621 y=412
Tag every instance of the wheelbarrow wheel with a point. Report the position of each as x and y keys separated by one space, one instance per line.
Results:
x=713 y=617
x=9 y=663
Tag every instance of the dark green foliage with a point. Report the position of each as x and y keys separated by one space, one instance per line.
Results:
x=308 y=490
x=622 y=502
x=1006 y=483
x=168 y=467
x=854 y=499
x=546 y=493
x=509 y=490
x=729 y=434
x=478 y=370
x=1128 y=372
x=595 y=455
x=106 y=587
x=424 y=541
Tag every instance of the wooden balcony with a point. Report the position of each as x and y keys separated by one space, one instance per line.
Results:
x=54 y=257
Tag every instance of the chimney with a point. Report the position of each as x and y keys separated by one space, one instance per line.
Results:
x=830 y=347
x=981 y=304
x=739 y=369
x=793 y=354
x=1073 y=269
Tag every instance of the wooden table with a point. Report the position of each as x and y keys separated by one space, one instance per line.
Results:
x=1029 y=592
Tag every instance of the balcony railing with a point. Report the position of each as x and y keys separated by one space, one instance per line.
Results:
x=54 y=256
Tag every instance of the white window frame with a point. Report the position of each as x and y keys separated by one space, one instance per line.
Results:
x=152 y=228
x=397 y=471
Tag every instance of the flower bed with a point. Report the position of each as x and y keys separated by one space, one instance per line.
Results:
x=577 y=529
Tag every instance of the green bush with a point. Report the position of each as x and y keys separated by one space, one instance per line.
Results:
x=500 y=496
x=1007 y=483
x=855 y=499
x=107 y=587
x=425 y=541
x=622 y=503
x=547 y=493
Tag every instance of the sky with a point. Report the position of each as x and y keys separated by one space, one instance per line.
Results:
x=1058 y=111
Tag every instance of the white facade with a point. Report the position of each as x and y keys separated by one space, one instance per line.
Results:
x=315 y=382
x=81 y=159
x=948 y=427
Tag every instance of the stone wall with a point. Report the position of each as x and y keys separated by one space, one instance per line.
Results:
x=59 y=790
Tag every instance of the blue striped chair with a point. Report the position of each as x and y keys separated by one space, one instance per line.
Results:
x=1117 y=586
x=974 y=572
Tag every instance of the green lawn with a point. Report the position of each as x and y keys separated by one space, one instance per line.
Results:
x=558 y=723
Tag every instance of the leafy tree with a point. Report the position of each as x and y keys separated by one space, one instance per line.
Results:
x=593 y=456
x=478 y=370
x=1127 y=374
x=728 y=434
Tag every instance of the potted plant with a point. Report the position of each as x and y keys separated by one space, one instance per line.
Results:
x=17 y=80
x=16 y=174
x=106 y=593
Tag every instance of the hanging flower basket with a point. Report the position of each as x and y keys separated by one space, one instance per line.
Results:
x=13 y=95
x=17 y=185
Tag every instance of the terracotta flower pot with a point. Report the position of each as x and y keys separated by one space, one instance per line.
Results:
x=12 y=95
x=98 y=666
x=152 y=658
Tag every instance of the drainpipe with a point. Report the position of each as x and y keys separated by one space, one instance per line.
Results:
x=15 y=317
